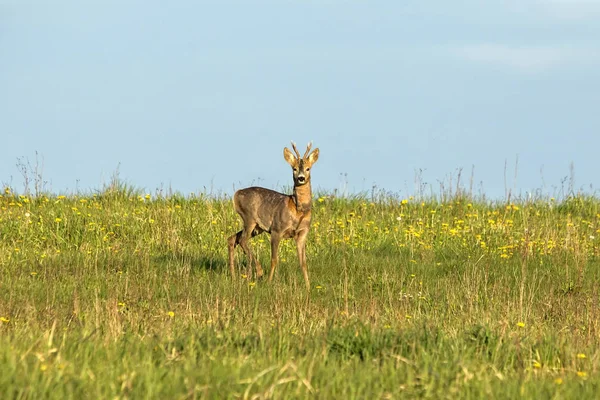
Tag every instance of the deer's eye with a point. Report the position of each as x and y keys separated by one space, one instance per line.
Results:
x=307 y=169
x=295 y=169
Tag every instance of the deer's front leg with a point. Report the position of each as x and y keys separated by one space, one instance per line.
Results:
x=275 y=239
x=301 y=246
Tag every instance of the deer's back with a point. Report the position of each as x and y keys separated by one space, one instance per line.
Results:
x=261 y=205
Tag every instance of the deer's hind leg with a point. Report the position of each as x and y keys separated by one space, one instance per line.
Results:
x=242 y=238
x=233 y=241
x=259 y=271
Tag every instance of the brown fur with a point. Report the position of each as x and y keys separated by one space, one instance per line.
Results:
x=283 y=216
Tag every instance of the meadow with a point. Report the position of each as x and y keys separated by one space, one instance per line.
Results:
x=123 y=294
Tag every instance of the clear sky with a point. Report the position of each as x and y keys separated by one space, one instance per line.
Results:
x=204 y=95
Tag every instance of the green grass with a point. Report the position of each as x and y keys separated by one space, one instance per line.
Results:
x=120 y=295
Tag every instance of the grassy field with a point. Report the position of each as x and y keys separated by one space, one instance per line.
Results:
x=126 y=295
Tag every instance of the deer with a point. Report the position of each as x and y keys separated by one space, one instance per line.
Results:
x=282 y=216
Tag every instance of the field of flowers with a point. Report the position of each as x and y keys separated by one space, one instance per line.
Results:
x=123 y=294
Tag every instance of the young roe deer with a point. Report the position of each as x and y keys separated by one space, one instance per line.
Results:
x=283 y=216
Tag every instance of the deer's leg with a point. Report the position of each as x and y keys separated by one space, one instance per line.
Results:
x=275 y=239
x=244 y=237
x=233 y=241
x=250 y=230
x=301 y=246
x=259 y=270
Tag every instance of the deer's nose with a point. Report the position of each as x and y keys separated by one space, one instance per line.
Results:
x=301 y=179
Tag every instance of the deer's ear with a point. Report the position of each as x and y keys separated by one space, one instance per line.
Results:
x=314 y=156
x=289 y=157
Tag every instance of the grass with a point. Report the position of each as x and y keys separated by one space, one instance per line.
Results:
x=119 y=294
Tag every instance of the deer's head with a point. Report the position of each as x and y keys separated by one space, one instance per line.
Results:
x=301 y=165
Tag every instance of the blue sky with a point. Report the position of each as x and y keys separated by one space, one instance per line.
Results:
x=204 y=95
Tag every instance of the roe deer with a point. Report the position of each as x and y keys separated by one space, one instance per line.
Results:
x=283 y=216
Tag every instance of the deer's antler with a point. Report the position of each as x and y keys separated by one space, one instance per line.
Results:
x=295 y=150
x=307 y=149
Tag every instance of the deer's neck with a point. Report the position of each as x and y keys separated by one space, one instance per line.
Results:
x=303 y=198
